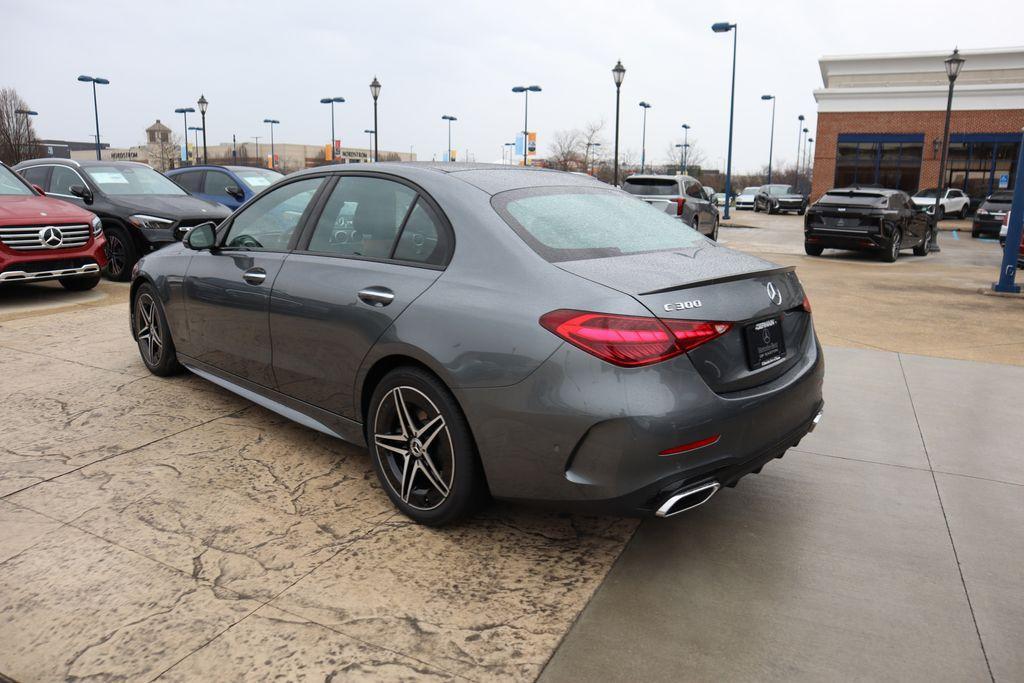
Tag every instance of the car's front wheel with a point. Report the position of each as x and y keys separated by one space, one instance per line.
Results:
x=963 y=212
x=152 y=333
x=813 y=249
x=121 y=252
x=714 y=230
x=922 y=248
x=422 y=448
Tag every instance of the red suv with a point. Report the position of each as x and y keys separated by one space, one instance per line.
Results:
x=46 y=239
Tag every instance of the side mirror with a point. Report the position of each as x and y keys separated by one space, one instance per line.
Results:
x=235 y=191
x=82 y=191
x=203 y=236
x=38 y=189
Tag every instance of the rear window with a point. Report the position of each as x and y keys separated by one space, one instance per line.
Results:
x=651 y=186
x=851 y=197
x=1000 y=198
x=570 y=224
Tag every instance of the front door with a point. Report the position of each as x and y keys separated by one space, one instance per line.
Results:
x=376 y=246
x=227 y=289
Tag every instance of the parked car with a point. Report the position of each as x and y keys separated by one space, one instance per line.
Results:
x=1003 y=232
x=989 y=217
x=953 y=203
x=779 y=199
x=231 y=186
x=46 y=239
x=862 y=219
x=530 y=333
x=719 y=199
x=681 y=196
x=745 y=199
x=141 y=209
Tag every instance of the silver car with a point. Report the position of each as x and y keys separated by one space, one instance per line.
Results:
x=681 y=196
x=492 y=331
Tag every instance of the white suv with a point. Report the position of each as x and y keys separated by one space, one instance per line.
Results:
x=953 y=203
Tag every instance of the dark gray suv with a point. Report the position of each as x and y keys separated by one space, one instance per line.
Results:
x=486 y=330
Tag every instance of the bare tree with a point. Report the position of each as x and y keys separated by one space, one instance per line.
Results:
x=696 y=159
x=164 y=153
x=566 y=150
x=17 y=136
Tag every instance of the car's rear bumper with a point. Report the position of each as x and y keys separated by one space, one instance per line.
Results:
x=866 y=239
x=585 y=435
x=987 y=226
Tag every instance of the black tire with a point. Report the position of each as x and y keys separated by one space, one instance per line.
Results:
x=940 y=214
x=80 y=283
x=753 y=206
x=922 y=248
x=431 y=479
x=152 y=334
x=122 y=254
x=714 y=230
x=892 y=250
x=802 y=211
x=772 y=210
x=813 y=249
x=963 y=212
x=975 y=234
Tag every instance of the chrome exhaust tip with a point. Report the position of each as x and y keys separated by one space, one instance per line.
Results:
x=815 y=421
x=688 y=499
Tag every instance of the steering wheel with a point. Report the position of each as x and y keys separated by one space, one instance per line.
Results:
x=247 y=241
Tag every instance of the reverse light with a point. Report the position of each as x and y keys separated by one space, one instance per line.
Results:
x=140 y=220
x=630 y=341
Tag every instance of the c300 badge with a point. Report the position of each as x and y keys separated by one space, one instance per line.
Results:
x=683 y=305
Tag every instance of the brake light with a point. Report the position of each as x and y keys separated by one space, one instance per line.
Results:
x=806 y=304
x=630 y=341
x=680 y=202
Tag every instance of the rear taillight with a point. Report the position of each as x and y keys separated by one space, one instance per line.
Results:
x=630 y=341
x=680 y=203
x=806 y=304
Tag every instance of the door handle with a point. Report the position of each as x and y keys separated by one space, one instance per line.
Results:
x=376 y=296
x=255 y=276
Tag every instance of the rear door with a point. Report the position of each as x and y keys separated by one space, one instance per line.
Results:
x=376 y=245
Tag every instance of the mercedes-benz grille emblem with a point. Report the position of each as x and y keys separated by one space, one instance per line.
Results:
x=774 y=294
x=51 y=237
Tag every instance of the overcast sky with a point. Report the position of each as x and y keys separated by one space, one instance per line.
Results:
x=267 y=58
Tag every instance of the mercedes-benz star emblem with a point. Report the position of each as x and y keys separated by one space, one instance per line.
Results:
x=51 y=237
x=774 y=294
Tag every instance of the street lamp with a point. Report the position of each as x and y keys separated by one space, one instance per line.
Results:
x=954 y=63
x=375 y=91
x=643 y=138
x=771 y=138
x=271 y=122
x=681 y=146
x=807 y=162
x=331 y=101
x=799 y=127
x=526 y=90
x=26 y=113
x=195 y=130
x=203 y=104
x=372 y=133
x=685 y=166
x=586 y=155
x=725 y=27
x=803 y=167
x=95 y=109
x=185 y=111
x=507 y=147
x=449 y=119
x=618 y=75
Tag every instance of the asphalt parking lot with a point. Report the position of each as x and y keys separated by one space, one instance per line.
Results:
x=158 y=528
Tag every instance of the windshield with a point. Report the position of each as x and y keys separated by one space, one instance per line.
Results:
x=780 y=189
x=258 y=179
x=11 y=185
x=750 y=190
x=132 y=180
x=649 y=186
x=568 y=224
x=930 y=192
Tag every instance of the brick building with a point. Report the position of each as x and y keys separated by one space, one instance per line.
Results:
x=880 y=120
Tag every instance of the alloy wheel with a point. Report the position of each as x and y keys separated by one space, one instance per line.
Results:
x=894 y=245
x=147 y=329
x=117 y=256
x=414 y=448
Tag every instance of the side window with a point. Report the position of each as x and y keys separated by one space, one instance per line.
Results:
x=362 y=217
x=694 y=190
x=422 y=240
x=61 y=180
x=36 y=175
x=215 y=183
x=269 y=223
x=189 y=180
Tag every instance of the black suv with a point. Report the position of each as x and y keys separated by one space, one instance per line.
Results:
x=988 y=219
x=779 y=198
x=867 y=219
x=141 y=209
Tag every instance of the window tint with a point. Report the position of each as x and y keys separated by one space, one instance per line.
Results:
x=422 y=240
x=651 y=186
x=215 y=183
x=269 y=222
x=362 y=217
x=189 y=180
x=61 y=180
x=568 y=224
x=694 y=190
x=35 y=175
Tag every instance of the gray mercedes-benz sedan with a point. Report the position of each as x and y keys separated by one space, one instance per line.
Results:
x=489 y=330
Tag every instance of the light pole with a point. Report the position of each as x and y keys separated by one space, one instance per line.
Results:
x=331 y=101
x=800 y=126
x=257 y=139
x=618 y=75
x=184 y=111
x=725 y=27
x=681 y=146
x=509 y=146
x=203 y=104
x=195 y=130
x=771 y=137
x=586 y=155
x=803 y=167
x=643 y=138
x=375 y=91
x=372 y=133
x=807 y=161
x=26 y=113
x=685 y=166
x=271 y=122
x=526 y=90
x=449 y=119
x=953 y=65
x=95 y=108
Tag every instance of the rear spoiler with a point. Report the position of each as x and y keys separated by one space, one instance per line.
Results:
x=781 y=270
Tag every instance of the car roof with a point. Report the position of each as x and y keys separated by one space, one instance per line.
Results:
x=658 y=176
x=866 y=188
x=78 y=164
x=206 y=167
x=491 y=178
